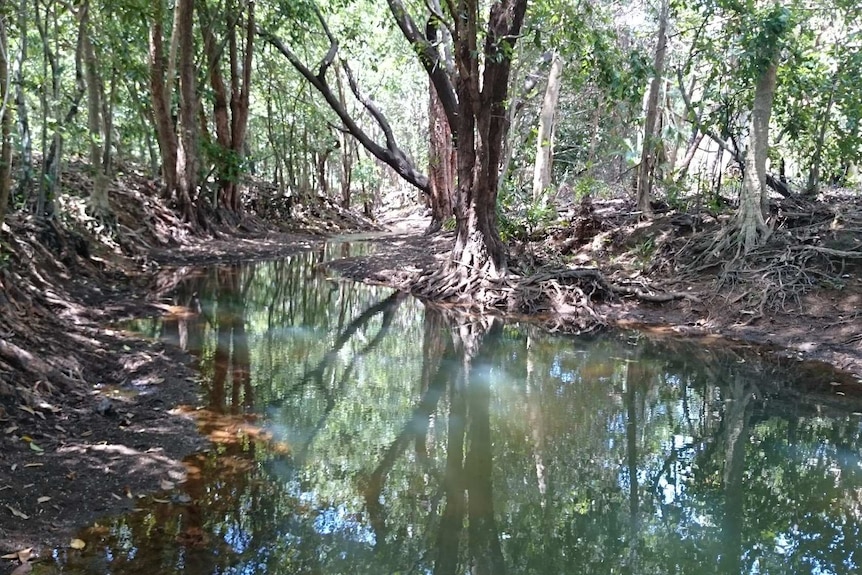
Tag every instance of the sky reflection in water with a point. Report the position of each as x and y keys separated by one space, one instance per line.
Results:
x=360 y=432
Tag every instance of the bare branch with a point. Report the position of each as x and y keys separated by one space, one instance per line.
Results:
x=430 y=59
x=390 y=155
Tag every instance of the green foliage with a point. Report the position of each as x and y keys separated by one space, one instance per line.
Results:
x=229 y=164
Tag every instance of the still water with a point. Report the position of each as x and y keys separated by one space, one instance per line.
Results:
x=359 y=432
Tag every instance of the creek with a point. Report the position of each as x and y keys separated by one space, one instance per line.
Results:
x=357 y=431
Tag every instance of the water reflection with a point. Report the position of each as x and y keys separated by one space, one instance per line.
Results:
x=360 y=432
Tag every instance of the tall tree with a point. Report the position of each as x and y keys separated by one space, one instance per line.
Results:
x=230 y=111
x=442 y=161
x=161 y=87
x=187 y=156
x=5 y=122
x=99 y=203
x=646 y=168
x=547 y=128
x=753 y=202
x=475 y=106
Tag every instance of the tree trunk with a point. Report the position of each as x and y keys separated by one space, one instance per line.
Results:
x=814 y=171
x=213 y=49
x=5 y=123
x=240 y=100
x=481 y=116
x=547 y=128
x=750 y=219
x=98 y=201
x=187 y=158
x=442 y=162
x=646 y=170
x=160 y=92
x=25 y=179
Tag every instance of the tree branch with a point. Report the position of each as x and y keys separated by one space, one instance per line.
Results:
x=391 y=155
x=430 y=59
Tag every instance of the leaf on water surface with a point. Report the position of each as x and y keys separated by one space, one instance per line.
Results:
x=77 y=544
x=43 y=499
x=17 y=512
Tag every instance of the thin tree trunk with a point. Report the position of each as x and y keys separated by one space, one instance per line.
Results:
x=240 y=98
x=187 y=158
x=25 y=179
x=98 y=201
x=5 y=125
x=221 y=117
x=814 y=172
x=160 y=93
x=547 y=128
x=646 y=170
x=753 y=200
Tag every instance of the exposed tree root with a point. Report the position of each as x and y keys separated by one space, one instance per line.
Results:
x=565 y=299
x=811 y=247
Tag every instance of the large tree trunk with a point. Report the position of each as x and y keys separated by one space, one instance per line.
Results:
x=750 y=219
x=5 y=122
x=646 y=170
x=442 y=162
x=481 y=115
x=547 y=128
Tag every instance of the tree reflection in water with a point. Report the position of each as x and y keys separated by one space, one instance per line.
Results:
x=364 y=434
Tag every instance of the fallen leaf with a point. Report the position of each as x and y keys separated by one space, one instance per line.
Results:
x=14 y=466
x=157 y=500
x=27 y=408
x=35 y=447
x=87 y=434
x=21 y=555
x=17 y=513
x=126 y=348
x=166 y=485
x=43 y=499
x=10 y=429
x=34 y=464
x=77 y=544
x=128 y=492
x=117 y=497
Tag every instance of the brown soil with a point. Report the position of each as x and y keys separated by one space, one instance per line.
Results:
x=90 y=416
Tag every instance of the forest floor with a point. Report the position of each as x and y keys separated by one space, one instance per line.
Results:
x=93 y=418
